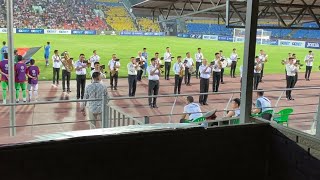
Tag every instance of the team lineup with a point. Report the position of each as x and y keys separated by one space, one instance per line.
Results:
x=184 y=69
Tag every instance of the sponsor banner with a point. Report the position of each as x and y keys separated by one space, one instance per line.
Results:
x=141 y=33
x=225 y=38
x=301 y=44
x=314 y=45
x=56 y=31
x=84 y=32
x=196 y=36
x=183 y=35
x=274 y=42
x=3 y=30
x=30 y=31
x=210 y=37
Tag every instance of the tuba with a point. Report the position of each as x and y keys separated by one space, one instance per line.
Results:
x=66 y=61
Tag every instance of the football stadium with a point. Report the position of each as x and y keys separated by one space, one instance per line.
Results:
x=144 y=89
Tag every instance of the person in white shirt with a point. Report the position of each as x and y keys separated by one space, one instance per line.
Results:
x=153 y=84
x=222 y=58
x=66 y=75
x=158 y=60
x=188 y=69
x=235 y=104
x=309 y=62
x=81 y=71
x=114 y=65
x=97 y=68
x=167 y=57
x=217 y=65
x=178 y=69
x=234 y=59
x=142 y=62
x=94 y=58
x=291 y=70
x=56 y=68
x=198 y=57
x=132 y=67
x=192 y=109
x=257 y=72
x=296 y=77
x=205 y=73
x=263 y=58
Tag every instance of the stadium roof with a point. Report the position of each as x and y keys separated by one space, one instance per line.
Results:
x=288 y=13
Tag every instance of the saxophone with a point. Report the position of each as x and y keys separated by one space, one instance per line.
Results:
x=114 y=70
x=181 y=73
x=67 y=62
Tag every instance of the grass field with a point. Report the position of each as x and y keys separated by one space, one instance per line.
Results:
x=125 y=47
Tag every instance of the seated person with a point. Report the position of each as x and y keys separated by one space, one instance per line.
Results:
x=192 y=109
x=262 y=104
x=235 y=104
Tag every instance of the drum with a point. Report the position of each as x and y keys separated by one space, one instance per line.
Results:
x=224 y=63
x=229 y=62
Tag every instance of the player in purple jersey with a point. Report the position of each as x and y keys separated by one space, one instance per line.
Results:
x=33 y=73
x=4 y=69
x=20 y=78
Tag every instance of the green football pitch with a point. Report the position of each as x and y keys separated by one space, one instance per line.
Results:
x=127 y=46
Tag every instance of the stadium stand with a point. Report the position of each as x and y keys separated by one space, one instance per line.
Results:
x=146 y=24
x=119 y=19
x=216 y=29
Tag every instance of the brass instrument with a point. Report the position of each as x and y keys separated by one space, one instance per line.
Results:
x=258 y=66
x=114 y=70
x=66 y=61
x=283 y=62
x=181 y=73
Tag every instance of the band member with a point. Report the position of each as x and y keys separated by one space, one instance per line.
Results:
x=263 y=58
x=217 y=65
x=296 y=77
x=4 y=71
x=192 y=109
x=142 y=62
x=257 y=72
x=188 y=69
x=94 y=58
x=97 y=68
x=167 y=63
x=205 y=73
x=47 y=53
x=234 y=58
x=33 y=74
x=132 y=76
x=198 y=57
x=309 y=62
x=56 y=68
x=222 y=67
x=262 y=104
x=114 y=65
x=66 y=75
x=145 y=55
x=291 y=69
x=20 y=78
x=153 y=85
x=81 y=72
x=95 y=90
x=158 y=60
x=4 y=50
x=178 y=69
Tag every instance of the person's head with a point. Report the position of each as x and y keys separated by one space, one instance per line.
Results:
x=260 y=93
x=15 y=52
x=289 y=54
x=96 y=65
x=4 y=43
x=261 y=51
x=19 y=58
x=257 y=59
x=153 y=61
x=199 y=49
x=81 y=57
x=168 y=49
x=5 y=55
x=48 y=43
x=133 y=60
x=114 y=56
x=188 y=54
x=94 y=52
x=290 y=60
x=179 y=58
x=204 y=62
x=144 y=49
x=234 y=50
x=235 y=103
x=156 y=54
x=190 y=99
x=220 y=52
x=217 y=55
x=32 y=62
x=96 y=76
x=310 y=52
x=139 y=53
x=56 y=52
x=294 y=55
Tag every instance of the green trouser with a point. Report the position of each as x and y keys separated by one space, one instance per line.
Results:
x=23 y=86
x=4 y=85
